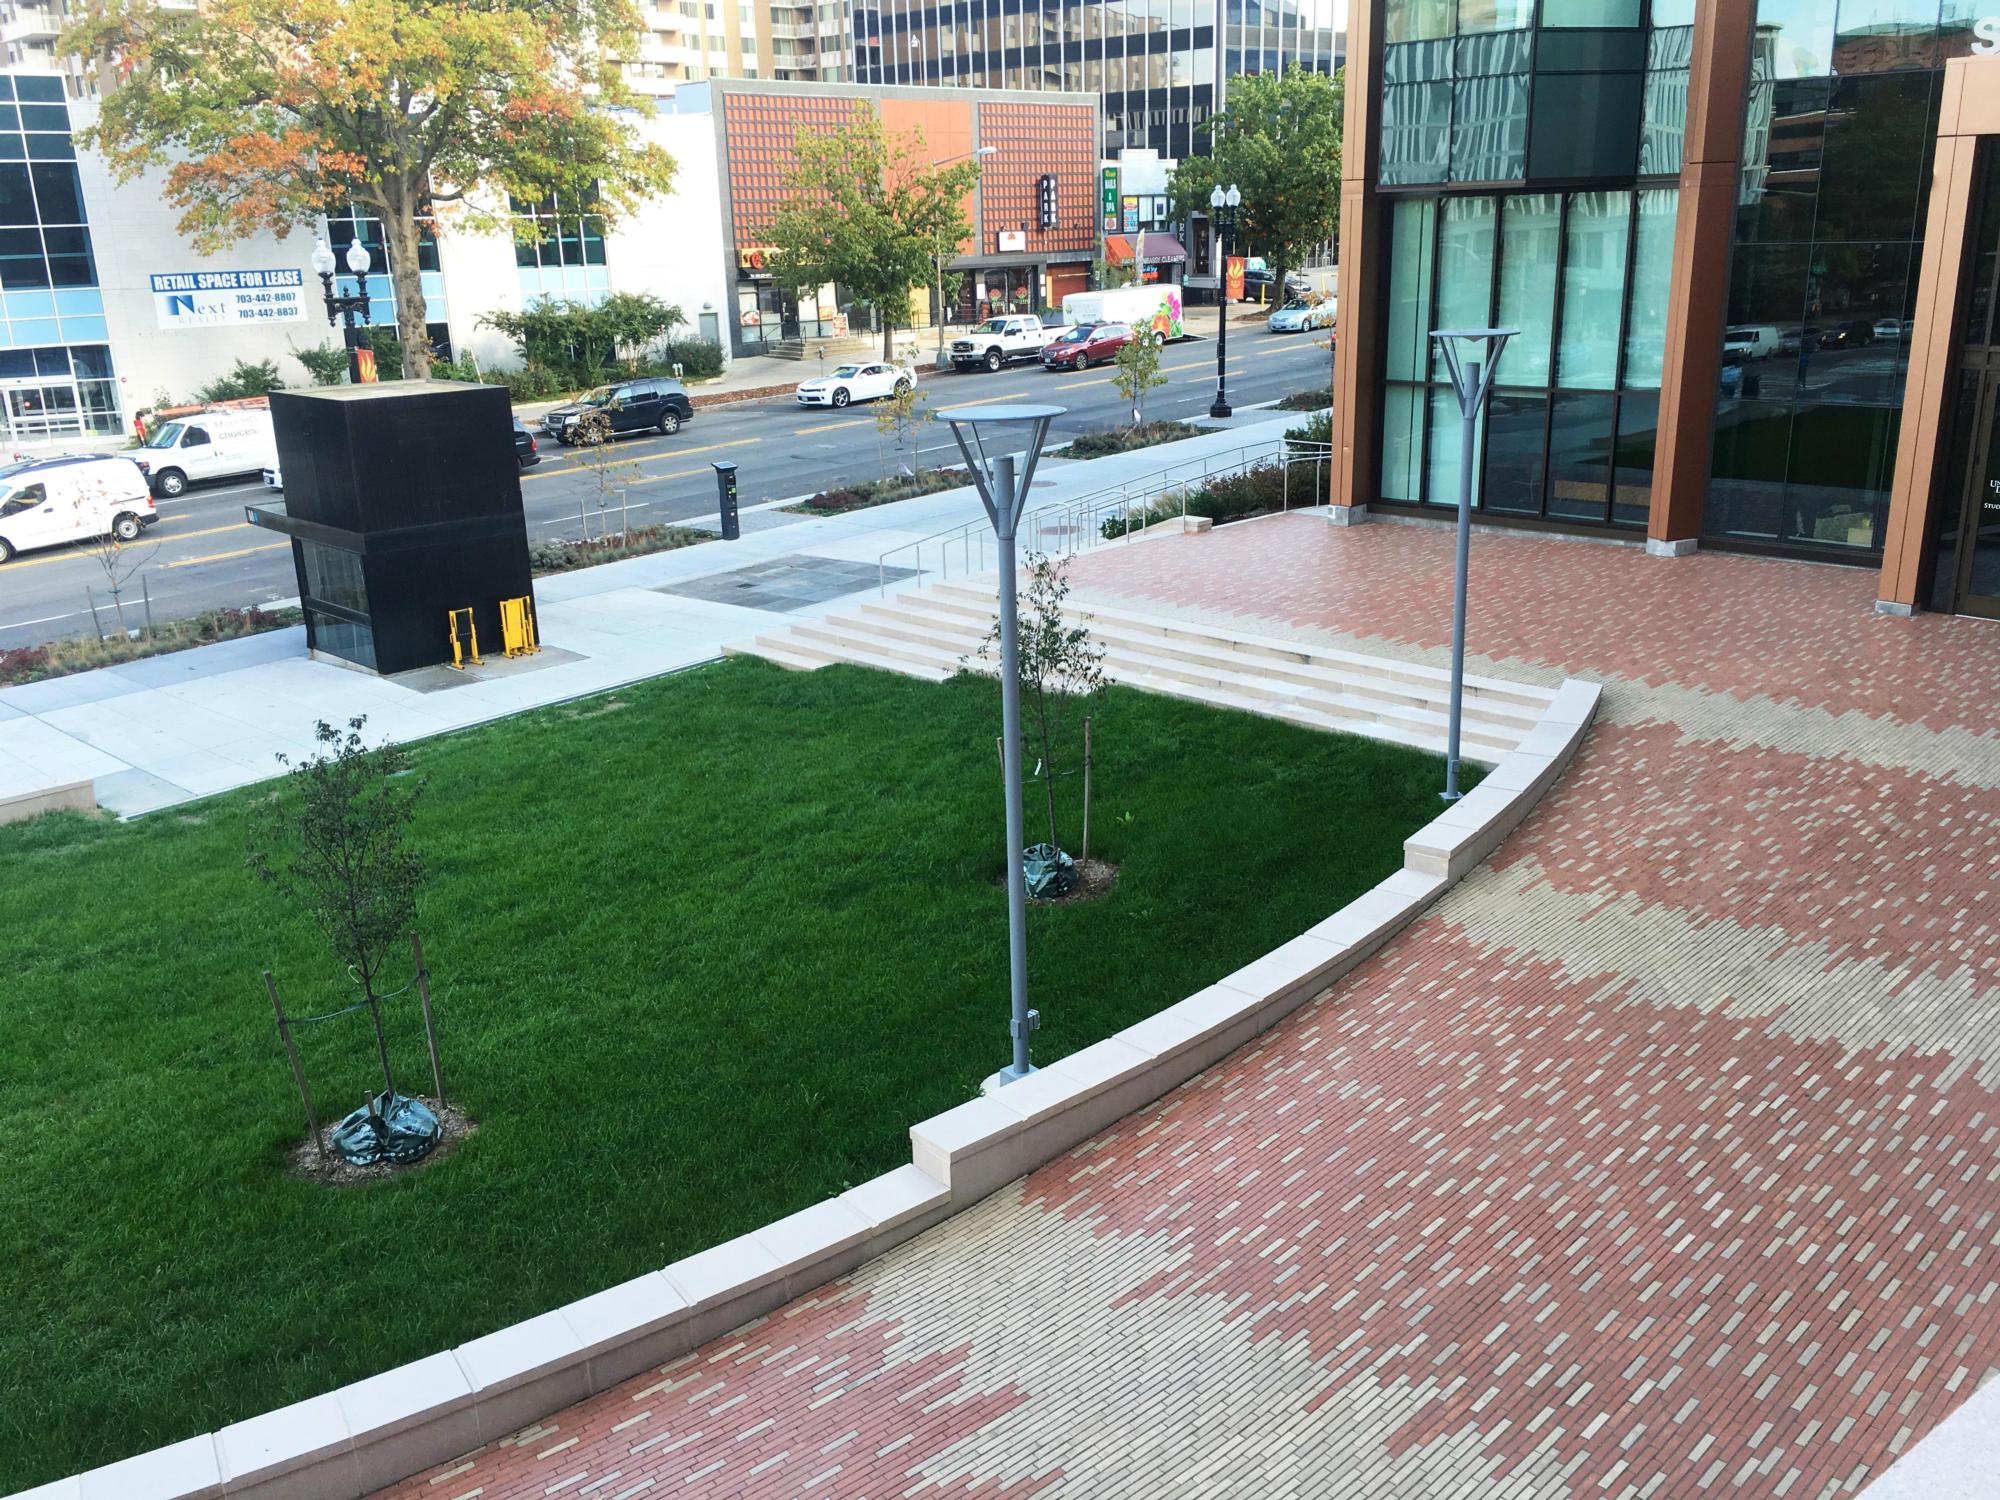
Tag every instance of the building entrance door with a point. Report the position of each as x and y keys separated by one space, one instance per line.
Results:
x=1967 y=580
x=40 y=411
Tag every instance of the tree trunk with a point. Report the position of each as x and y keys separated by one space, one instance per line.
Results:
x=399 y=228
x=1048 y=766
x=1279 y=295
x=888 y=340
x=381 y=1041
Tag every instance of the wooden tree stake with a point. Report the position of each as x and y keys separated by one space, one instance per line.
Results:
x=430 y=1029
x=292 y=1053
x=1086 y=791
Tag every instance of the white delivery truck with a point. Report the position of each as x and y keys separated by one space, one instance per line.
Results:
x=1154 y=310
x=46 y=502
x=208 y=445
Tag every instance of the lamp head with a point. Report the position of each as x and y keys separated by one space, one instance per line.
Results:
x=357 y=258
x=986 y=151
x=988 y=435
x=1462 y=345
x=1215 y=197
x=1232 y=197
x=322 y=259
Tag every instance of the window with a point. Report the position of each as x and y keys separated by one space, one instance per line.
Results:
x=1530 y=234
x=1652 y=268
x=1593 y=284
x=195 y=437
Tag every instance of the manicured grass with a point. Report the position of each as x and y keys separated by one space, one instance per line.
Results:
x=705 y=949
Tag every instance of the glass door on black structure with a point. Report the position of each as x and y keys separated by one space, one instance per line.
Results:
x=1966 y=576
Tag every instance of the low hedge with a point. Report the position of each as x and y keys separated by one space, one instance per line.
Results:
x=1307 y=400
x=86 y=653
x=640 y=541
x=1126 y=439
x=869 y=492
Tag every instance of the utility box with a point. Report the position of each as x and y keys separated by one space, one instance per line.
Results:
x=725 y=499
x=403 y=503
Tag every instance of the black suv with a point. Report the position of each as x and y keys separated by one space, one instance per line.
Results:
x=631 y=405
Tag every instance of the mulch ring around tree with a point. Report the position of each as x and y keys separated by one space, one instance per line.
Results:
x=331 y=1170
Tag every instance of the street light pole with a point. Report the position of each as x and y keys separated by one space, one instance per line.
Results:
x=1472 y=381
x=1223 y=205
x=1003 y=491
x=937 y=253
x=342 y=307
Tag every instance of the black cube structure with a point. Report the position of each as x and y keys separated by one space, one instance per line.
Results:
x=403 y=503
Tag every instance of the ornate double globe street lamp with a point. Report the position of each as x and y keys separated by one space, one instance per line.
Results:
x=1222 y=205
x=354 y=308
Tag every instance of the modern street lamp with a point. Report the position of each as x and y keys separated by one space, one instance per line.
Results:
x=1472 y=379
x=937 y=255
x=337 y=305
x=1223 y=206
x=998 y=441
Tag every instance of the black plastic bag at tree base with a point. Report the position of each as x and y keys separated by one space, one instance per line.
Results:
x=1050 y=872
x=389 y=1127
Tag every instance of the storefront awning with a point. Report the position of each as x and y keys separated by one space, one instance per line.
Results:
x=1117 y=249
x=1163 y=247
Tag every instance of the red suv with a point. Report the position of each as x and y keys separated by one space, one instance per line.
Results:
x=1091 y=344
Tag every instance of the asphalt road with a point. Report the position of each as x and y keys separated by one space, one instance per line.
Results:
x=206 y=556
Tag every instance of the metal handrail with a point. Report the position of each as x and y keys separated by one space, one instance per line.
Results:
x=1066 y=527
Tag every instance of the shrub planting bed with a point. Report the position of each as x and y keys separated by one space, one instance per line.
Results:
x=85 y=653
x=1126 y=439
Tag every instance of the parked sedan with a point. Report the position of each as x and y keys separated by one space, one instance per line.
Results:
x=1299 y=316
x=1090 y=344
x=649 y=403
x=869 y=382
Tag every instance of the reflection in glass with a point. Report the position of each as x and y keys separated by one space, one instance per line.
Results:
x=1663 y=123
x=1794 y=38
x=1609 y=147
x=1447 y=428
x=1590 y=12
x=1415 y=20
x=1465 y=269
x=1530 y=235
x=1516 y=444
x=1632 y=460
x=1853 y=341
x=1877 y=35
x=1984 y=253
x=1840 y=472
x=1872 y=170
x=1410 y=289
x=1494 y=15
x=1746 y=488
x=1579 y=458
x=1960 y=434
x=1402 y=442
x=1593 y=289
x=1416 y=132
x=1652 y=266
x=1489 y=131
x=1784 y=138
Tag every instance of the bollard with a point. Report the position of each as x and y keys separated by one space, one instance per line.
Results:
x=725 y=495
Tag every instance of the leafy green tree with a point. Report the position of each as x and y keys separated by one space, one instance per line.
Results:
x=584 y=343
x=327 y=363
x=244 y=379
x=868 y=211
x=1105 y=274
x=1279 y=143
x=265 y=114
x=333 y=844
x=1137 y=371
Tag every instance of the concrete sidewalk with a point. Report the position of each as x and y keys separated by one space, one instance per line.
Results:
x=157 y=732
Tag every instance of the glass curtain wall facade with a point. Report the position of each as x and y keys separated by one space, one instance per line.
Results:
x=1155 y=63
x=1841 y=124
x=564 y=261
x=1507 y=209
x=56 y=375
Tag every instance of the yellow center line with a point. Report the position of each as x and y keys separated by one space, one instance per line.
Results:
x=676 y=453
x=193 y=562
x=829 y=426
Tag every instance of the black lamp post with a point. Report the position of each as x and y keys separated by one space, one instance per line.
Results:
x=354 y=308
x=1223 y=206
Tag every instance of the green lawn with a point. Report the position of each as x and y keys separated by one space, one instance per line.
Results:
x=705 y=950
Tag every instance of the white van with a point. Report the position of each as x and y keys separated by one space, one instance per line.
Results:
x=46 y=502
x=208 y=445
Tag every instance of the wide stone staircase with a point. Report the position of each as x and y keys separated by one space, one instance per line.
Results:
x=935 y=631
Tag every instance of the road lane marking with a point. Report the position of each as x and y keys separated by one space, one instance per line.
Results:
x=577 y=468
x=215 y=557
x=829 y=426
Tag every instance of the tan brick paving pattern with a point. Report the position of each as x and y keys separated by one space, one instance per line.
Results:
x=1662 y=1158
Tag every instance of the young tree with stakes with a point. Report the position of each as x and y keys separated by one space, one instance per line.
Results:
x=611 y=475
x=334 y=846
x=265 y=114
x=901 y=416
x=1061 y=667
x=1137 y=372
x=119 y=553
x=867 y=210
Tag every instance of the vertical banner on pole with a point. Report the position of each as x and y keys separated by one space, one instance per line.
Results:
x=364 y=359
x=1232 y=277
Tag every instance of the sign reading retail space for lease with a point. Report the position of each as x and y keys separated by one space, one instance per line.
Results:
x=212 y=299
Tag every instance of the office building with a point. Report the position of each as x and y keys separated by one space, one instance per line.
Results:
x=1749 y=248
x=690 y=41
x=1161 y=67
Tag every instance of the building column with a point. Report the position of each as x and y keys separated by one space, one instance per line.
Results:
x=1357 y=348
x=1970 y=109
x=1698 y=294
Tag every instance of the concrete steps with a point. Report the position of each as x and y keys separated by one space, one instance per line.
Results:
x=935 y=631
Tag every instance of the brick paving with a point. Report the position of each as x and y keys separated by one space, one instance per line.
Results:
x=1661 y=1158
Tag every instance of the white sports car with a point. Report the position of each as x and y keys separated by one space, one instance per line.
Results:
x=1300 y=316
x=855 y=383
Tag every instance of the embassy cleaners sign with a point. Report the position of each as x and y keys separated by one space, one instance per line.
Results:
x=210 y=299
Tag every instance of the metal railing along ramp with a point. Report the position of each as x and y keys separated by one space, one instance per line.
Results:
x=936 y=631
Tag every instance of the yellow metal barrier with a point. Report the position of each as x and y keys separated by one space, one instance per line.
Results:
x=465 y=650
x=517 y=626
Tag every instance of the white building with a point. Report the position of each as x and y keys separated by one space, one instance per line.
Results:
x=106 y=309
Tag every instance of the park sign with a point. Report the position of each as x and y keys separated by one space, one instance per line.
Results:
x=212 y=299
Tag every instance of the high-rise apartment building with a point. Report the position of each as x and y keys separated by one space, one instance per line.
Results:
x=1161 y=66
x=690 y=41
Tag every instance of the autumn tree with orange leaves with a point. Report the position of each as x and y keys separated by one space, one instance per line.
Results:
x=265 y=114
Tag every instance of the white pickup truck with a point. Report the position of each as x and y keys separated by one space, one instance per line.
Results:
x=1005 y=340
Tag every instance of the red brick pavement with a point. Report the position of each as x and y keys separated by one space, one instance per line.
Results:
x=1662 y=1158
